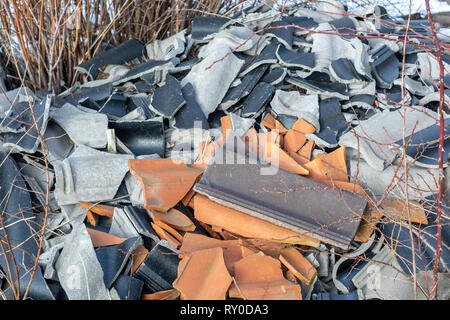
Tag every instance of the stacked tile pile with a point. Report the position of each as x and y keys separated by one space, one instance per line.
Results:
x=253 y=157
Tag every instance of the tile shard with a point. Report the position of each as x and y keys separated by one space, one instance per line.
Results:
x=164 y=181
x=273 y=198
x=78 y=269
x=203 y=276
x=168 y=98
x=259 y=277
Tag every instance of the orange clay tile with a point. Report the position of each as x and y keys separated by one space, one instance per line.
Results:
x=172 y=294
x=226 y=125
x=270 y=248
x=305 y=152
x=279 y=158
x=191 y=203
x=269 y=121
x=208 y=228
x=293 y=141
x=205 y=152
x=239 y=223
x=165 y=182
x=164 y=235
x=203 y=276
x=251 y=140
x=328 y=167
x=137 y=257
x=304 y=127
x=100 y=209
x=260 y=277
x=397 y=209
x=187 y=198
x=369 y=219
x=233 y=250
x=169 y=229
x=298 y=265
x=92 y=218
x=103 y=239
x=174 y=218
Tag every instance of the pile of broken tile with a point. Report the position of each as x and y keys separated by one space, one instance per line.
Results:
x=239 y=159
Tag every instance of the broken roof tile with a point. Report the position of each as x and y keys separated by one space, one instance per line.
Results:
x=298 y=265
x=259 y=277
x=203 y=276
x=175 y=219
x=168 y=98
x=164 y=181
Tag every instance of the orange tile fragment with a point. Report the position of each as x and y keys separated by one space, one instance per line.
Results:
x=293 y=141
x=233 y=250
x=203 y=276
x=205 y=152
x=103 y=239
x=398 y=210
x=279 y=158
x=242 y=224
x=172 y=294
x=269 y=121
x=369 y=220
x=328 y=167
x=100 y=209
x=174 y=218
x=298 y=265
x=187 y=198
x=305 y=152
x=260 y=277
x=92 y=218
x=137 y=257
x=165 y=235
x=208 y=228
x=226 y=125
x=165 y=181
x=304 y=127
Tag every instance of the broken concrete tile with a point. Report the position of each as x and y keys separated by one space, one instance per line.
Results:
x=397 y=209
x=235 y=94
x=274 y=76
x=168 y=98
x=83 y=128
x=142 y=137
x=35 y=120
x=293 y=59
x=113 y=258
x=332 y=124
x=344 y=71
x=267 y=56
x=293 y=103
x=175 y=219
x=364 y=101
x=156 y=67
x=57 y=143
x=102 y=239
x=325 y=89
x=373 y=140
x=159 y=268
x=212 y=77
x=414 y=87
x=235 y=221
x=124 y=52
x=259 y=277
x=422 y=147
x=121 y=225
x=281 y=191
x=190 y=115
x=164 y=181
x=391 y=182
x=115 y=105
x=168 y=48
x=385 y=66
x=89 y=175
x=79 y=271
x=204 y=26
x=128 y=288
x=198 y=271
x=282 y=32
x=298 y=265
x=260 y=96
x=18 y=227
